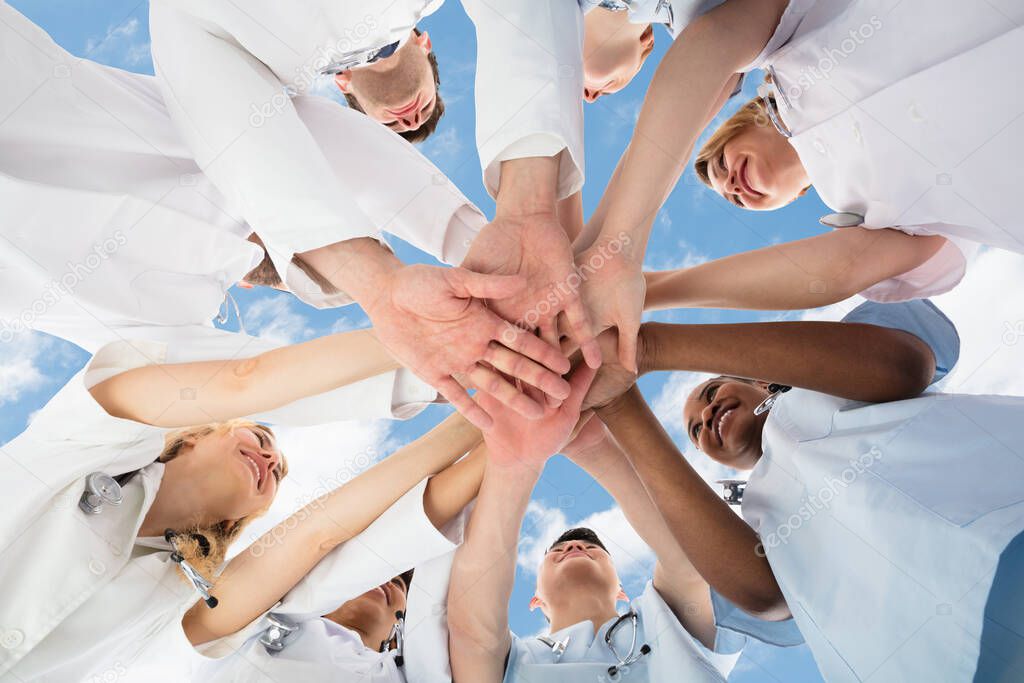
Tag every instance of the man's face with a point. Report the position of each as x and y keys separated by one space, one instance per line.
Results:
x=572 y=569
x=613 y=52
x=399 y=90
x=373 y=612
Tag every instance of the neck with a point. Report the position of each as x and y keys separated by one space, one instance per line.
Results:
x=618 y=24
x=173 y=508
x=596 y=611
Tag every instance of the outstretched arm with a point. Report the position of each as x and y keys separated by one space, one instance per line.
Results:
x=675 y=577
x=253 y=582
x=808 y=273
x=449 y=492
x=719 y=544
x=851 y=360
x=485 y=564
x=225 y=389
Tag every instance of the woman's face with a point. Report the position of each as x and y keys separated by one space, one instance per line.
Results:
x=758 y=170
x=372 y=614
x=233 y=473
x=613 y=52
x=720 y=421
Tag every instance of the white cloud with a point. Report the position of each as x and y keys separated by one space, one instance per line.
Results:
x=276 y=319
x=442 y=146
x=120 y=46
x=20 y=370
x=320 y=458
x=633 y=558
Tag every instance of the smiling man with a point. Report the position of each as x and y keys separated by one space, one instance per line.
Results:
x=400 y=90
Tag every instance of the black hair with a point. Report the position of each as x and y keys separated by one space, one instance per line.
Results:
x=580 y=534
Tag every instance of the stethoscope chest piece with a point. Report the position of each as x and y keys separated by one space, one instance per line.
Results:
x=733 y=490
x=845 y=219
x=279 y=633
x=776 y=390
x=100 y=489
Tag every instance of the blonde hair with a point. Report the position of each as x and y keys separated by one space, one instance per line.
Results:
x=753 y=113
x=204 y=547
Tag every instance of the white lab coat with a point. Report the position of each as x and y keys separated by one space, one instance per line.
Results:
x=227 y=95
x=674 y=15
x=321 y=650
x=86 y=596
x=883 y=523
x=901 y=113
x=102 y=195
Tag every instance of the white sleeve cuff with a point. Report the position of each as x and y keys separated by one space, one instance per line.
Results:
x=570 y=170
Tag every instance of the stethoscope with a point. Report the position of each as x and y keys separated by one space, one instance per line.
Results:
x=397 y=636
x=623 y=5
x=102 y=489
x=767 y=92
x=558 y=646
x=360 y=58
x=281 y=631
x=775 y=391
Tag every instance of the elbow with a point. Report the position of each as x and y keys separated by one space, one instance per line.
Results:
x=767 y=605
x=912 y=369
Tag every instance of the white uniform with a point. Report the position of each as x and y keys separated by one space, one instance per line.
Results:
x=86 y=599
x=674 y=15
x=321 y=650
x=902 y=114
x=226 y=93
x=884 y=523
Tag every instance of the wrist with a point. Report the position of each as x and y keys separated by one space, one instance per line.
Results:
x=646 y=350
x=618 y=405
x=528 y=187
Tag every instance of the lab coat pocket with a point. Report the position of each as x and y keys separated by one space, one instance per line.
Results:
x=960 y=457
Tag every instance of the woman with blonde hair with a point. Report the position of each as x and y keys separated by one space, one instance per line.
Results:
x=896 y=111
x=131 y=483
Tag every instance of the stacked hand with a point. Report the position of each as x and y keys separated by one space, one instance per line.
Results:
x=433 y=321
x=613 y=378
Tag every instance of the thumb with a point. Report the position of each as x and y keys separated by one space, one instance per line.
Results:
x=467 y=283
x=579 y=383
x=627 y=347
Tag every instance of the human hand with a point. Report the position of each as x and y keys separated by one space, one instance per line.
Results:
x=612 y=377
x=433 y=321
x=514 y=441
x=535 y=247
x=590 y=435
x=613 y=292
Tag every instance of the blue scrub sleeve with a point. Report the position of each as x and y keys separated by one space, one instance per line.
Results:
x=733 y=627
x=920 y=318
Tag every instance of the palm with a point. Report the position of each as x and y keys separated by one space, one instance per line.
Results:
x=538 y=249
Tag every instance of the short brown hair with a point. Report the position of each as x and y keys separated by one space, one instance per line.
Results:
x=428 y=127
x=753 y=113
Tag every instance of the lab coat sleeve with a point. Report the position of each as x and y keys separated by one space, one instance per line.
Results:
x=396 y=394
x=235 y=116
x=791 y=18
x=401 y=191
x=529 y=85
x=400 y=539
x=939 y=274
x=921 y=318
x=733 y=627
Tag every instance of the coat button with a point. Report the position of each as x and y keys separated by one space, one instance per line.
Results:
x=11 y=638
x=857 y=135
x=842 y=220
x=915 y=114
x=97 y=567
x=820 y=146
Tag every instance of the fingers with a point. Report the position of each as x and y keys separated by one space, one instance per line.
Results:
x=462 y=402
x=582 y=332
x=579 y=383
x=530 y=346
x=491 y=382
x=520 y=367
x=466 y=283
x=627 y=347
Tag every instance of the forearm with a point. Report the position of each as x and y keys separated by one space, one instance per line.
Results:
x=359 y=267
x=702 y=61
x=226 y=389
x=851 y=360
x=450 y=491
x=529 y=186
x=254 y=580
x=808 y=273
x=721 y=545
x=483 y=574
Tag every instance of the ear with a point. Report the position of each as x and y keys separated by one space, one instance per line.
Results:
x=804 y=191
x=344 y=81
x=535 y=603
x=622 y=597
x=647 y=38
x=423 y=41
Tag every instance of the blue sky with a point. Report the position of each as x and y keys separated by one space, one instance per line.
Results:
x=694 y=226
